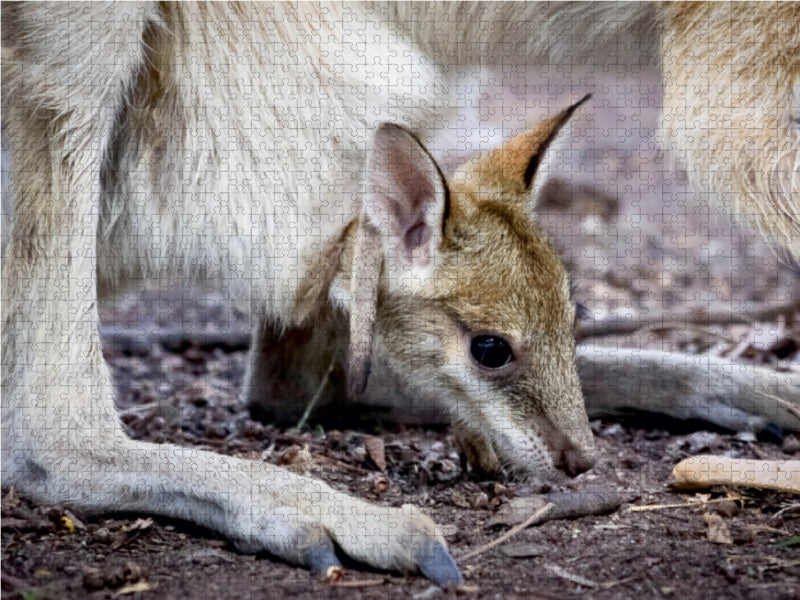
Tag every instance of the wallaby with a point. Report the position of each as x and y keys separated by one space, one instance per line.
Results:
x=460 y=269
x=228 y=143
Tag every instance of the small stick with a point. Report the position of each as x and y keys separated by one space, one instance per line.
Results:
x=563 y=574
x=674 y=321
x=534 y=518
x=649 y=507
x=705 y=471
x=339 y=463
x=356 y=583
x=789 y=406
x=317 y=394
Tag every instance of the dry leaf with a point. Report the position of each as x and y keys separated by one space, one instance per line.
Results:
x=79 y=525
x=380 y=485
x=718 y=532
x=66 y=523
x=139 y=525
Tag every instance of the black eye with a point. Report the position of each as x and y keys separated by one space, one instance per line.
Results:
x=491 y=351
x=581 y=313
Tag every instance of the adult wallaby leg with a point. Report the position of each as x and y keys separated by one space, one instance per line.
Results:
x=684 y=386
x=59 y=422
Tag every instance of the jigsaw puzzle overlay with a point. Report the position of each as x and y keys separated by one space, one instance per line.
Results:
x=493 y=297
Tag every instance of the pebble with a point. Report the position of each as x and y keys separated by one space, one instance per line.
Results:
x=727 y=509
x=791 y=445
x=93 y=579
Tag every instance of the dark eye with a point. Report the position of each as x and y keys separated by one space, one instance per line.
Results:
x=581 y=313
x=491 y=351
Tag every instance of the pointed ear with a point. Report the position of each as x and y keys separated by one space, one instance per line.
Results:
x=407 y=201
x=511 y=169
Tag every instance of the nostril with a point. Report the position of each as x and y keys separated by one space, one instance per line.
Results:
x=573 y=463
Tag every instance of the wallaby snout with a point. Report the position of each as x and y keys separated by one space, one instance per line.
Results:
x=573 y=462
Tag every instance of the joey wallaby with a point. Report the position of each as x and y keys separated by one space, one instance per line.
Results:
x=473 y=315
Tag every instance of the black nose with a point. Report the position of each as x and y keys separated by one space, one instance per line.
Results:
x=573 y=463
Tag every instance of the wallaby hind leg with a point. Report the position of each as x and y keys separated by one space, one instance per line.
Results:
x=683 y=386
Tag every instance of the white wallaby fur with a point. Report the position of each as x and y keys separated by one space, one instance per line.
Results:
x=242 y=144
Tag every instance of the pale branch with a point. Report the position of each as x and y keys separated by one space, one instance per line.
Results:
x=590 y=329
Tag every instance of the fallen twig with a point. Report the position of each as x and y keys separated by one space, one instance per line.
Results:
x=677 y=320
x=534 y=518
x=317 y=394
x=339 y=463
x=566 y=505
x=650 y=507
x=355 y=583
x=705 y=471
x=559 y=572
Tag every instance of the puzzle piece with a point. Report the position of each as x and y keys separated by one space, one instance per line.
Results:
x=374 y=193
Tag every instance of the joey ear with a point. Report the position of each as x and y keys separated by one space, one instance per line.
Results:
x=404 y=212
x=365 y=276
x=511 y=169
x=406 y=200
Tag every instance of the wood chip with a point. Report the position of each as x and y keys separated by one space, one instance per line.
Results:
x=376 y=451
x=333 y=574
x=705 y=471
x=296 y=458
x=135 y=588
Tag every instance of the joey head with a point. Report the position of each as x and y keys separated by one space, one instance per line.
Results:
x=459 y=304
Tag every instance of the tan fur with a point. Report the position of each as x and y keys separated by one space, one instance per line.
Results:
x=734 y=121
x=232 y=144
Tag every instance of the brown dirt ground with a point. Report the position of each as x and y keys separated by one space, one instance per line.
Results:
x=190 y=397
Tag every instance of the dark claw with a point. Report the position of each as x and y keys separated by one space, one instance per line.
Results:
x=436 y=564
x=320 y=557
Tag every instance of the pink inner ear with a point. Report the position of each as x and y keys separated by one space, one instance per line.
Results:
x=417 y=235
x=404 y=196
x=416 y=192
